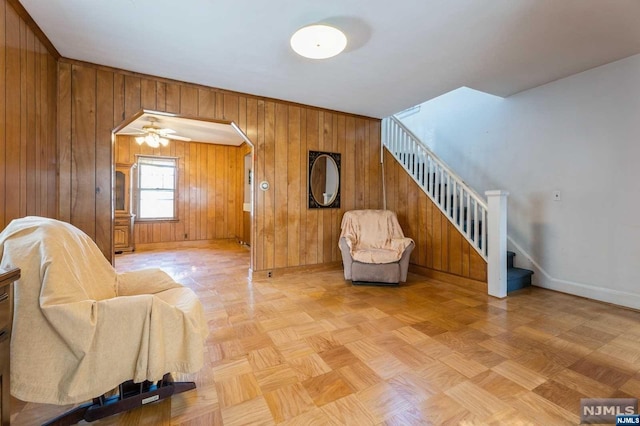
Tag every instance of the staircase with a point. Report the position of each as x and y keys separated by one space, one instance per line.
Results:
x=482 y=223
x=517 y=278
x=465 y=208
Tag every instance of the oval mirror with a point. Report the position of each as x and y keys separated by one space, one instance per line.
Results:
x=324 y=179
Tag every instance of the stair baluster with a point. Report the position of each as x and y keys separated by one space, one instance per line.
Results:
x=464 y=208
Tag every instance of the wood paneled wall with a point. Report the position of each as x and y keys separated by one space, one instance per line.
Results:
x=28 y=85
x=439 y=245
x=93 y=100
x=210 y=195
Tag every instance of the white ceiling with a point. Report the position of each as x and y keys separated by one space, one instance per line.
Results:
x=196 y=130
x=399 y=53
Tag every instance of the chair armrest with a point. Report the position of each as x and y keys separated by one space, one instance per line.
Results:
x=144 y=281
x=401 y=244
x=347 y=260
x=404 y=261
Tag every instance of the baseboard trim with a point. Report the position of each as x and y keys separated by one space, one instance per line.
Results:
x=180 y=244
x=278 y=272
x=599 y=294
x=543 y=279
x=448 y=278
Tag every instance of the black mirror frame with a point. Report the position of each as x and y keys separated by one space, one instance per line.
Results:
x=313 y=204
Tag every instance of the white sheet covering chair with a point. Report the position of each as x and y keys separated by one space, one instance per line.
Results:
x=81 y=330
x=374 y=249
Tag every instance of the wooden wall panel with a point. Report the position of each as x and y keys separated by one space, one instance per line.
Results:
x=104 y=126
x=268 y=220
x=28 y=102
x=285 y=232
x=280 y=181
x=3 y=121
x=439 y=245
x=295 y=175
x=83 y=161
x=208 y=208
x=312 y=226
x=15 y=112
x=59 y=115
x=241 y=152
x=72 y=132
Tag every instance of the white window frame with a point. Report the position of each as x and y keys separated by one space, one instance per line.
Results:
x=141 y=161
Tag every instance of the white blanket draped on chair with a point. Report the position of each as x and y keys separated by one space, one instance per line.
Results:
x=80 y=329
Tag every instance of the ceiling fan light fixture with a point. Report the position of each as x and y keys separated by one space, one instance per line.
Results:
x=152 y=139
x=318 y=41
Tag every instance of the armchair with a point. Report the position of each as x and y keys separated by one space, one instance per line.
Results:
x=81 y=330
x=374 y=249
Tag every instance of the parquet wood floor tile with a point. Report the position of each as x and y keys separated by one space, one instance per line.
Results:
x=311 y=349
x=327 y=387
x=502 y=387
x=441 y=409
x=519 y=374
x=348 y=411
x=309 y=366
x=477 y=400
x=288 y=402
x=560 y=395
x=359 y=376
x=383 y=401
x=609 y=375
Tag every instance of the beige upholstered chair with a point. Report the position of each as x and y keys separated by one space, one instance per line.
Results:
x=374 y=249
x=81 y=330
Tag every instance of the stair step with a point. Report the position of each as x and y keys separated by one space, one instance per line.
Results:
x=518 y=278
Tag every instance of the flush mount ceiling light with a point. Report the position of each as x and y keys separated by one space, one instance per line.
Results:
x=318 y=41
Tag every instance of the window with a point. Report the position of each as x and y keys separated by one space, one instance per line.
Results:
x=157 y=181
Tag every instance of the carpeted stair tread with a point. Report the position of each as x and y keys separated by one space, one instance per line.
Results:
x=518 y=278
x=514 y=273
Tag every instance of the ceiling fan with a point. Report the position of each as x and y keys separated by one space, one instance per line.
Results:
x=154 y=135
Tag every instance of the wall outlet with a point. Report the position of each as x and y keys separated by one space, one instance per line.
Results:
x=269 y=274
x=557 y=196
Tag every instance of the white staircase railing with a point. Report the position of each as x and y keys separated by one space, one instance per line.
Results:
x=461 y=204
x=464 y=208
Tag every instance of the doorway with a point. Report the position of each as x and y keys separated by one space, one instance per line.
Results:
x=207 y=185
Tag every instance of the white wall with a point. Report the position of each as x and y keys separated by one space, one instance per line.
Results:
x=579 y=135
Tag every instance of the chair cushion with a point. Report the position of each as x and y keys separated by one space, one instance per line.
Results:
x=374 y=236
x=375 y=255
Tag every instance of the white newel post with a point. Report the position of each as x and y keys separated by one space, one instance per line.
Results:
x=497 y=243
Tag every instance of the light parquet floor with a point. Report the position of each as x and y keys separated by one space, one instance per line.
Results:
x=311 y=348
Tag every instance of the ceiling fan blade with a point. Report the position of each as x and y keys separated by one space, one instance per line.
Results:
x=132 y=134
x=166 y=131
x=177 y=138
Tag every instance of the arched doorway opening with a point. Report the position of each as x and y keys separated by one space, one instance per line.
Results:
x=211 y=193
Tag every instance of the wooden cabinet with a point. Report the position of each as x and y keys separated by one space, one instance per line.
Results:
x=123 y=217
x=6 y=318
